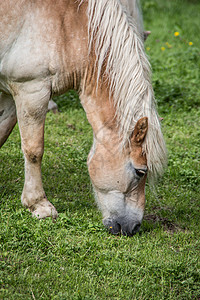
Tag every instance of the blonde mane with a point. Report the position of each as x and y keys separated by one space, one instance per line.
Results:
x=118 y=40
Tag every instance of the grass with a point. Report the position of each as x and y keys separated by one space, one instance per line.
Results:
x=75 y=258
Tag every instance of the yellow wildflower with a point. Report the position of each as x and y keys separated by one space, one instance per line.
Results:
x=190 y=43
x=148 y=48
x=163 y=48
x=176 y=33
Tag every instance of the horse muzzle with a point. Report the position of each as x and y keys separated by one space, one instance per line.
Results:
x=122 y=225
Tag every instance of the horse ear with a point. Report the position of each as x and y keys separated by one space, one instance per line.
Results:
x=140 y=131
x=146 y=34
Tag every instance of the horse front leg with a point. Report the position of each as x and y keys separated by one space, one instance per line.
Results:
x=31 y=112
x=8 y=117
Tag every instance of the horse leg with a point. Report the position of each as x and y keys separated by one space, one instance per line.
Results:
x=8 y=117
x=31 y=107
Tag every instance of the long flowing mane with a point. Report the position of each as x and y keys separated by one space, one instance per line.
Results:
x=118 y=42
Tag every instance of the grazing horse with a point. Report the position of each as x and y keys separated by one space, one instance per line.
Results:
x=96 y=48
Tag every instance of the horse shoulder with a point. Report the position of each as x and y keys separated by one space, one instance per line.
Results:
x=47 y=40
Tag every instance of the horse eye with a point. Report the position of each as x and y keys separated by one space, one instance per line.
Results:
x=140 y=172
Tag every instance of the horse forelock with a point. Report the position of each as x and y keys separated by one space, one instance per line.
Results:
x=117 y=41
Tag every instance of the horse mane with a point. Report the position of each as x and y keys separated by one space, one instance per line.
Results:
x=118 y=42
x=133 y=8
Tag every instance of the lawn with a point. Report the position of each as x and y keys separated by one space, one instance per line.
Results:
x=75 y=257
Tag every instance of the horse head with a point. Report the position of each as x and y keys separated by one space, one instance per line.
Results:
x=118 y=177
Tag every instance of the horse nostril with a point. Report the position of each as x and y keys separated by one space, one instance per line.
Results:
x=136 y=228
x=112 y=225
x=131 y=230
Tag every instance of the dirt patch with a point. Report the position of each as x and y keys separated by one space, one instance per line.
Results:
x=168 y=225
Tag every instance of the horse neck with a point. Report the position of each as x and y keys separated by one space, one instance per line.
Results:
x=100 y=111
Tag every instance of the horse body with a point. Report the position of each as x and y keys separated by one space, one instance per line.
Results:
x=49 y=47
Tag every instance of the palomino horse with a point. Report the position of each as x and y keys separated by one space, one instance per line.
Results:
x=48 y=47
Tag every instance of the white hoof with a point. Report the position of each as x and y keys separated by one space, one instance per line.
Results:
x=43 y=209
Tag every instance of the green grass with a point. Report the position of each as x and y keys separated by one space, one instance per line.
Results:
x=75 y=257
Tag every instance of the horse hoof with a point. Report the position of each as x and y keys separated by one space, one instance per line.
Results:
x=43 y=209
